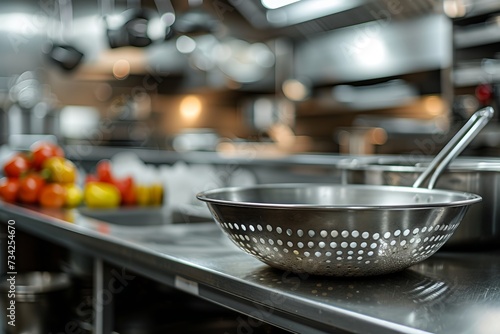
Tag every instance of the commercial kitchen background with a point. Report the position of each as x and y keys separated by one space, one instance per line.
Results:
x=313 y=76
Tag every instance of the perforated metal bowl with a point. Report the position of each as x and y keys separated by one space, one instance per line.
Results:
x=339 y=230
x=347 y=230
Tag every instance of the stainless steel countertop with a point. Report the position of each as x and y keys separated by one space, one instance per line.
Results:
x=447 y=293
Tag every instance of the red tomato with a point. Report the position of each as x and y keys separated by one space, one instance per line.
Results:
x=30 y=188
x=53 y=195
x=103 y=171
x=484 y=93
x=126 y=188
x=17 y=165
x=42 y=151
x=129 y=197
x=9 y=189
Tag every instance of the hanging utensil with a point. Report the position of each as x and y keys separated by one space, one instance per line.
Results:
x=62 y=53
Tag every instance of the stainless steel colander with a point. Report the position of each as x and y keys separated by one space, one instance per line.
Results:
x=346 y=230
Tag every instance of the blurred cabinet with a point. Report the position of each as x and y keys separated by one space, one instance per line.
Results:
x=376 y=49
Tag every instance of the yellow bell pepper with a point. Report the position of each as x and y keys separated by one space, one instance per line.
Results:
x=60 y=170
x=101 y=195
x=74 y=195
x=156 y=194
x=143 y=195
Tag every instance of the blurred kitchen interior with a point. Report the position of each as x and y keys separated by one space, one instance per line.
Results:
x=278 y=76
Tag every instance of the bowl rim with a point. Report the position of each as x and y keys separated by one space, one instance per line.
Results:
x=466 y=197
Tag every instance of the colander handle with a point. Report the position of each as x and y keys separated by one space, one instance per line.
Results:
x=455 y=146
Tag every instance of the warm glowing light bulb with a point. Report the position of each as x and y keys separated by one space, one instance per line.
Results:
x=295 y=90
x=190 y=107
x=433 y=105
x=121 y=69
x=455 y=8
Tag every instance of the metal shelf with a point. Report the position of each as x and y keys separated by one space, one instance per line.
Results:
x=477 y=35
x=480 y=7
x=478 y=73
